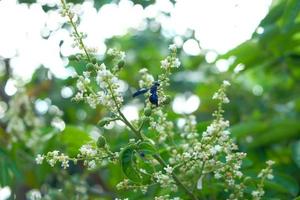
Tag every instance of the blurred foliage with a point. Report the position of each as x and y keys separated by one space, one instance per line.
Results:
x=264 y=108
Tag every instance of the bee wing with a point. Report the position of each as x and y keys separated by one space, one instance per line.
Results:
x=141 y=91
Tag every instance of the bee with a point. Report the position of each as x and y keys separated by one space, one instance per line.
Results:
x=153 y=98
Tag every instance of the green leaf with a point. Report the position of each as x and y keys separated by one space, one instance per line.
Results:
x=132 y=162
x=277 y=132
x=248 y=53
x=4 y=173
x=147 y=147
x=8 y=169
x=73 y=138
x=128 y=161
x=284 y=184
x=274 y=14
x=290 y=14
x=296 y=152
x=241 y=130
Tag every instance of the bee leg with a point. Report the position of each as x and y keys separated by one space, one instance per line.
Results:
x=153 y=99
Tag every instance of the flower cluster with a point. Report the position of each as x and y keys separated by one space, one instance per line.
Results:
x=90 y=155
x=171 y=61
x=166 y=197
x=167 y=65
x=165 y=180
x=264 y=174
x=162 y=126
x=194 y=157
x=212 y=152
x=189 y=130
x=158 y=120
x=53 y=157
x=126 y=184
x=220 y=94
x=34 y=195
x=108 y=83
x=146 y=80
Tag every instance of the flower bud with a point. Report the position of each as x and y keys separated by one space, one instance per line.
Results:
x=121 y=64
x=101 y=141
x=146 y=119
x=90 y=66
x=103 y=122
x=94 y=60
x=147 y=112
x=167 y=100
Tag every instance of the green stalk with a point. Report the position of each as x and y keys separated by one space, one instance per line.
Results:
x=123 y=118
x=79 y=38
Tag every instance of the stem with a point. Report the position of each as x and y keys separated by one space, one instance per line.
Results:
x=141 y=126
x=156 y=156
x=202 y=168
x=123 y=118
x=176 y=179
x=79 y=37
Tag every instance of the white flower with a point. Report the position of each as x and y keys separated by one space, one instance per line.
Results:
x=216 y=96
x=186 y=155
x=172 y=47
x=102 y=67
x=255 y=193
x=39 y=159
x=64 y=160
x=78 y=96
x=164 y=64
x=87 y=150
x=122 y=55
x=217 y=176
x=210 y=129
x=239 y=174
x=168 y=169
x=176 y=63
x=270 y=176
x=80 y=84
x=213 y=151
x=226 y=100
x=54 y=153
x=91 y=164
x=226 y=132
x=92 y=100
x=143 y=70
x=52 y=162
x=226 y=83
x=86 y=74
x=34 y=195
x=270 y=162
x=58 y=123
x=110 y=52
x=217 y=148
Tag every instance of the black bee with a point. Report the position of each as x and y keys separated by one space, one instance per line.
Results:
x=153 y=93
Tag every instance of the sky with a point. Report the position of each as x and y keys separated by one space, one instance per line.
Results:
x=30 y=37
